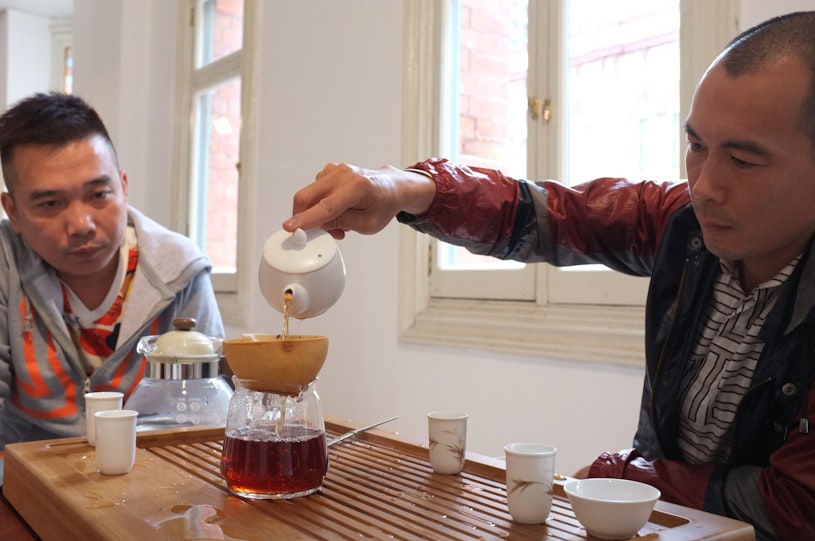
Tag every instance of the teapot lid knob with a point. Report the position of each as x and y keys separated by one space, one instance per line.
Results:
x=299 y=238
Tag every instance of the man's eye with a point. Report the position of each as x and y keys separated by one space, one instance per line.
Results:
x=47 y=204
x=102 y=194
x=741 y=163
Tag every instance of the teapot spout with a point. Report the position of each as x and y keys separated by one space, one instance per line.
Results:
x=299 y=300
x=309 y=264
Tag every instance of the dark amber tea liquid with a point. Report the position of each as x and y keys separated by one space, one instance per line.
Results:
x=260 y=464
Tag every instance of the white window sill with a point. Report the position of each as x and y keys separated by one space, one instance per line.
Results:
x=602 y=334
x=576 y=332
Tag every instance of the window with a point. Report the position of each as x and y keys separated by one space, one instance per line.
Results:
x=216 y=42
x=523 y=97
x=215 y=163
x=62 y=58
x=485 y=119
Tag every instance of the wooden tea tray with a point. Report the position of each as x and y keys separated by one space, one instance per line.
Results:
x=379 y=487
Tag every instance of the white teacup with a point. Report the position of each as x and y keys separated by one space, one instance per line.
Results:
x=447 y=434
x=530 y=480
x=115 y=441
x=99 y=401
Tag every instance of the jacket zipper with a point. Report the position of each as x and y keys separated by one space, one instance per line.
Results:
x=680 y=290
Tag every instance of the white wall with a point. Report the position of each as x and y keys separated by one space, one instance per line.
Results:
x=25 y=57
x=26 y=53
x=753 y=12
x=124 y=64
x=331 y=90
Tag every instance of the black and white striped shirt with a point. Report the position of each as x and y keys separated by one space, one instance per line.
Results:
x=722 y=363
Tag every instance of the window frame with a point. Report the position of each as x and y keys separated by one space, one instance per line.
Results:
x=62 y=39
x=232 y=289
x=609 y=333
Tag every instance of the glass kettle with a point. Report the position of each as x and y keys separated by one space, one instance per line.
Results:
x=184 y=386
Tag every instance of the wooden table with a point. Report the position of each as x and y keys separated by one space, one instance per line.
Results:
x=12 y=526
x=379 y=487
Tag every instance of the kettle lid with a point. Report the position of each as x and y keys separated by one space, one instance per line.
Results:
x=181 y=345
x=299 y=252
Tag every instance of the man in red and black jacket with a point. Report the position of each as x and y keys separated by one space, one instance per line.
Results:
x=730 y=324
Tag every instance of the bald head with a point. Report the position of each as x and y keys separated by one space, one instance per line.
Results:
x=771 y=42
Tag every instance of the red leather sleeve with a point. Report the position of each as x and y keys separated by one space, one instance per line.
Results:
x=679 y=482
x=787 y=485
x=612 y=214
x=489 y=198
x=603 y=216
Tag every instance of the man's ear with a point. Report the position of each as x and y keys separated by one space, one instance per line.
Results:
x=10 y=208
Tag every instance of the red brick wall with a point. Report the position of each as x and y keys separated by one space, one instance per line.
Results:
x=488 y=73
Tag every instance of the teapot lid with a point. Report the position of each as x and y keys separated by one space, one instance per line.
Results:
x=181 y=345
x=299 y=252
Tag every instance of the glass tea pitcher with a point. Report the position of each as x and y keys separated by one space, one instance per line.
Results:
x=275 y=444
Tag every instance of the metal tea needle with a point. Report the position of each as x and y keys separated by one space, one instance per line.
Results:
x=358 y=430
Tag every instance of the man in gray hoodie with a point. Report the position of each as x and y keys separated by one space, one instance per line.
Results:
x=83 y=276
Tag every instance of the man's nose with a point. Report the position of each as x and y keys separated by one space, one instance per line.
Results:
x=709 y=183
x=79 y=220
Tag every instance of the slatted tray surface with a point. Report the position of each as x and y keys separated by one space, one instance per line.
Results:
x=376 y=491
x=378 y=487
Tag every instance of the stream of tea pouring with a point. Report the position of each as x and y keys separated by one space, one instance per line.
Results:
x=288 y=297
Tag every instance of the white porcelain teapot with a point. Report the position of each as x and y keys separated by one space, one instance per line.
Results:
x=308 y=264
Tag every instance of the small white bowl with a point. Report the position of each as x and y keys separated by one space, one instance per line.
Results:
x=611 y=508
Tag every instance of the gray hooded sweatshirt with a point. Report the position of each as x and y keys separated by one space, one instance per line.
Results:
x=41 y=383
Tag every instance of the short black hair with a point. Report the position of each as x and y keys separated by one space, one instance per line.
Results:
x=49 y=119
x=789 y=35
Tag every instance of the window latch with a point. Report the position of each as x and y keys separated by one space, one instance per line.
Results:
x=540 y=108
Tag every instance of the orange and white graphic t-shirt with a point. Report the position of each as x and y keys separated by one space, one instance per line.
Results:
x=95 y=332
